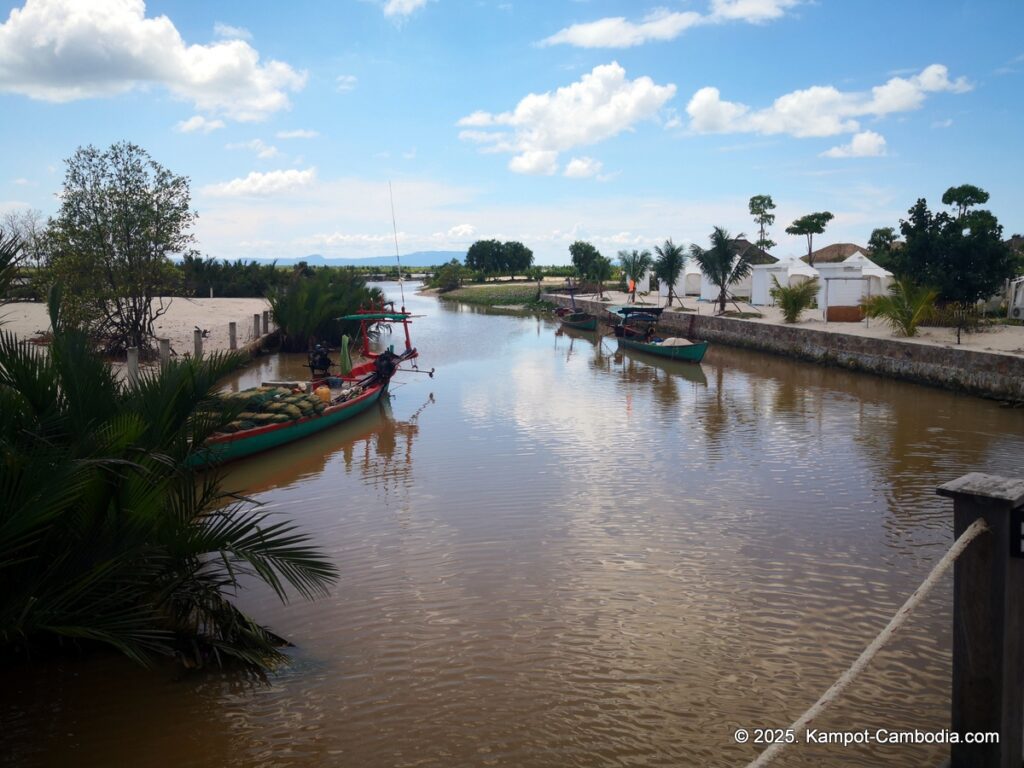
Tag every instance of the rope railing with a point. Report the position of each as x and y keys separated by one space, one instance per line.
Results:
x=799 y=727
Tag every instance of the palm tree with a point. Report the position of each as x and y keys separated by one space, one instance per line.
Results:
x=599 y=270
x=794 y=299
x=722 y=263
x=906 y=306
x=669 y=265
x=10 y=258
x=635 y=265
x=306 y=308
x=106 y=534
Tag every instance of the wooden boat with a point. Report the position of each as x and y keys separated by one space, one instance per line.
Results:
x=633 y=321
x=673 y=349
x=348 y=396
x=581 y=321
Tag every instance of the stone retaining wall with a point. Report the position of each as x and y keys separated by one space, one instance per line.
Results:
x=979 y=373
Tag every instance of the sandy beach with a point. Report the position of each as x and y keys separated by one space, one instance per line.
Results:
x=29 y=320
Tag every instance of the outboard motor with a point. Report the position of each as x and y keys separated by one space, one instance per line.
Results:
x=385 y=365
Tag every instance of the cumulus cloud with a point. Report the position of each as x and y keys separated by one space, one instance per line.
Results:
x=263 y=150
x=866 y=144
x=345 y=83
x=228 y=32
x=402 y=8
x=662 y=25
x=602 y=104
x=582 y=168
x=819 y=110
x=198 y=123
x=299 y=133
x=461 y=232
x=263 y=184
x=63 y=50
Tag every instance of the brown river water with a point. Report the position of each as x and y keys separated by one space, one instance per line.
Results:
x=554 y=554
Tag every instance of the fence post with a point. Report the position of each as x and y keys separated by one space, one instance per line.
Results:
x=198 y=343
x=266 y=323
x=256 y=326
x=988 y=621
x=133 y=364
x=165 y=352
x=232 y=336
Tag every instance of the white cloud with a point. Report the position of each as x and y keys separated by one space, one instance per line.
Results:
x=617 y=32
x=461 y=232
x=943 y=123
x=866 y=144
x=819 y=110
x=402 y=8
x=602 y=104
x=228 y=32
x=263 y=151
x=198 y=123
x=299 y=133
x=263 y=184
x=345 y=83
x=662 y=25
x=22 y=182
x=64 y=50
x=582 y=168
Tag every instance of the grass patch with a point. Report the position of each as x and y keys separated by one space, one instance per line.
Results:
x=741 y=315
x=497 y=295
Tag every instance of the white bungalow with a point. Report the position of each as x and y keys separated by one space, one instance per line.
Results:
x=789 y=272
x=692 y=276
x=743 y=289
x=844 y=284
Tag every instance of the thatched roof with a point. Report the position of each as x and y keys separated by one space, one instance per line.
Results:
x=835 y=252
x=754 y=254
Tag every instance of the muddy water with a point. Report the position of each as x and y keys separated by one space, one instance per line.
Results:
x=553 y=554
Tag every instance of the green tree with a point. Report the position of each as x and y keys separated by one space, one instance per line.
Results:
x=10 y=258
x=761 y=207
x=669 y=265
x=582 y=254
x=448 y=277
x=635 y=264
x=964 y=197
x=599 y=270
x=880 y=245
x=794 y=299
x=810 y=225
x=904 y=309
x=723 y=263
x=106 y=535
x=517 y=258
x=963 y=258
x=486 y=257
x=121 y=219
x=306 y=307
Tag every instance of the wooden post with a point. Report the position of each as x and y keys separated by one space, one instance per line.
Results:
x=198 y=342
x=266 y=322
x=165 y=352
x=256 y=326
x=232 y=336
x=988 y=621
x=133 y=364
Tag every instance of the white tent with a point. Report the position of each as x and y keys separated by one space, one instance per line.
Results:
x=709 y=291
x=788 y=272
x=846 y=283
x=677 y=290
x=691 y=279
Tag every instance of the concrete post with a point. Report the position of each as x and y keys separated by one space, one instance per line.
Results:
x=232 y=336
x=256 y=326
x=198 y=342
x=266 y=322
x=133 y=364
x=165 y=352
x=988 y=621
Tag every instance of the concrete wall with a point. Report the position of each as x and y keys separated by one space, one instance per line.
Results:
x=979 y=373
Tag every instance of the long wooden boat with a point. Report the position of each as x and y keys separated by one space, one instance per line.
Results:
x=691 y=352
x=581 y=321
x=349 y=396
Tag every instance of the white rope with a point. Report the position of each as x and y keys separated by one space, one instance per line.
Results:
x=800 y=726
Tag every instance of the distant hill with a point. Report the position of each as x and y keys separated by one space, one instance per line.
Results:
x=414 y=259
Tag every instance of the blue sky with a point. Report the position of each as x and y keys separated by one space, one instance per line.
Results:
x=621 y=123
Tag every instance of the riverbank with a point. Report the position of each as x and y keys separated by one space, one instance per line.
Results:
x=989 y=364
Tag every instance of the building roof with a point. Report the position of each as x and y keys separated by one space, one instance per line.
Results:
x=835 y=252
x=754 y=254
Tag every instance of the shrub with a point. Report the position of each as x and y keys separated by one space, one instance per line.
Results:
x=794 y=299
x=904 y=309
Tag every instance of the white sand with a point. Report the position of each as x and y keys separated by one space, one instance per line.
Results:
x=1001 y=339
x=29 y=319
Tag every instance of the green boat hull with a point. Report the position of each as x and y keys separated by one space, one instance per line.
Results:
x=587 y=324
x=692 y=353
x=224 y=448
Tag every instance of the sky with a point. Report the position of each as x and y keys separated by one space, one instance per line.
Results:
x=619 y=123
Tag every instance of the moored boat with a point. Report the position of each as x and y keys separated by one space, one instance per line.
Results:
x=671 y=348
x=581 y=321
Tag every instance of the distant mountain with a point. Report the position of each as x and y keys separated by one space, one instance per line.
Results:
x=414 y=259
